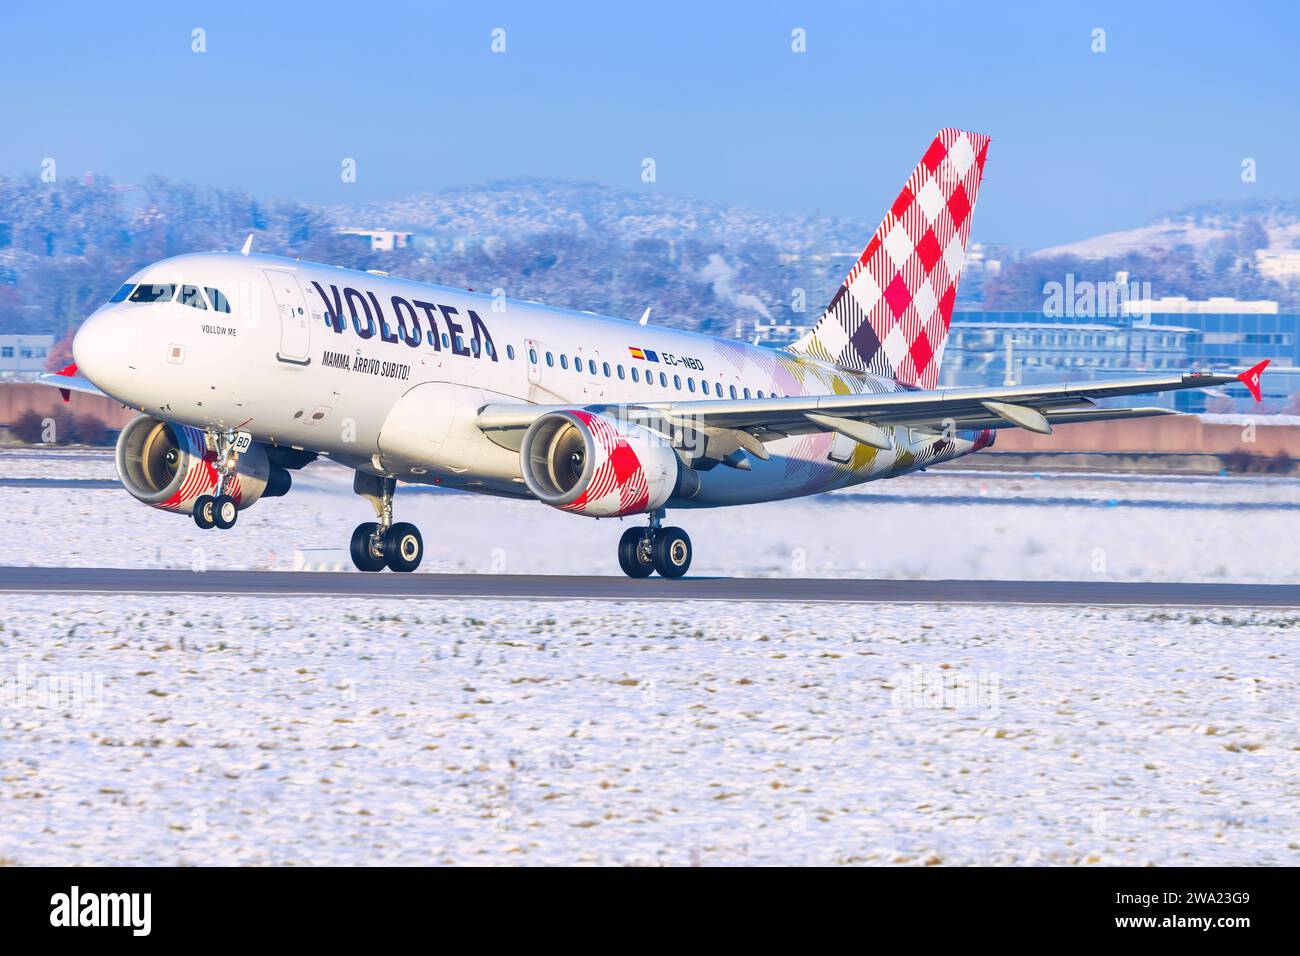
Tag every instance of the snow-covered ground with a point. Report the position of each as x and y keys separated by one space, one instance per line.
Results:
x=218 y=731
x=934 y=525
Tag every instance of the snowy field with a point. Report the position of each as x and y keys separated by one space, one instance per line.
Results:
x=210 y=731
x=256 y=731
x=934 y=525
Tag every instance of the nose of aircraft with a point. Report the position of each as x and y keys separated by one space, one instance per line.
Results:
x=102 y=352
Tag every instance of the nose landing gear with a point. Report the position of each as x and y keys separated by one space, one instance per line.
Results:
x=642 y=551
x=383 y=543
x=219 y=510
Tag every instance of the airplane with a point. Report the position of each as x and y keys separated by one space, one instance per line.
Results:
x=248 y=367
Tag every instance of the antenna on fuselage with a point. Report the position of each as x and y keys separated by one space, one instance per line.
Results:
x=247 y=247
x=645 y=316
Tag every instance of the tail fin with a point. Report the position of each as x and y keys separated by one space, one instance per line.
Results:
x=891 y=315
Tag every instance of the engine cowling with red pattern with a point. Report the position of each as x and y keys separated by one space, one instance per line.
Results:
x=167 y=466
x=595 y=465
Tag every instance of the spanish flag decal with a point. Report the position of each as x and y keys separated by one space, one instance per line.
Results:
x=636 y=352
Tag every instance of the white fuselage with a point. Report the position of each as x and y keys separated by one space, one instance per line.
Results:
x=388 y=375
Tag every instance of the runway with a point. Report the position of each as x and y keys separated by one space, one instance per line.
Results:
x=290 y=584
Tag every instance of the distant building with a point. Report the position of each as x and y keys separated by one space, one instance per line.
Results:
x=381 y=240
x=777 y=332
x=24 y=353
x=1181 y=305
x=987 y=258
x=999 y=352
x=1042 y=351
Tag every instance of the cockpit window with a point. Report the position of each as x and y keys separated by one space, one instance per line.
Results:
x=191 y=296
x=153 y=293
x=219 y=302
x=121 y=294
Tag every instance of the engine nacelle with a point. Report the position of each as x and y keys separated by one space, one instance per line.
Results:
x=597 y=466
x=167 y=466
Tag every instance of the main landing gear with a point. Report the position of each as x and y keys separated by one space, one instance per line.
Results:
x=384 y=544
x=219 y=510
x=642 y=551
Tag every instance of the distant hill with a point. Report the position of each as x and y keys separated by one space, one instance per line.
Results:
x=1194 y=227
x=64 y=247
x=1210 y=249
x=510 y=208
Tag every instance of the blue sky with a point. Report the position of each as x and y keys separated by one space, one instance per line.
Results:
x=1082 y=142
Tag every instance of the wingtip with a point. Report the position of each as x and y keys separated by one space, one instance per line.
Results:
x=1250 y=378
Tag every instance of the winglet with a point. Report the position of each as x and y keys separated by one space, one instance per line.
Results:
x=1250 y=378
x=69 y=371
x=247 y=247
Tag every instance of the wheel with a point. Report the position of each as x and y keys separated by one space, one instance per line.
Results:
x=635 y=560
x=225 y=512
x=672 y=552
x=204 y=506
x=403 y=546
x=363 y=555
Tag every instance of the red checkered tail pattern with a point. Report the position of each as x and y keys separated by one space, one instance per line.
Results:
x=890 y=316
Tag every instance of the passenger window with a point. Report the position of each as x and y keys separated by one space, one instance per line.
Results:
x=663 y=380
x=219 y=302
x=760 y=393
x=746 y=393
x=577 y=364
x=717 y=389
x=550 y=360
x=564 y=361
x=690 y=384
x=635 y=376
x=733 y=391
x=446 y=342
x=153 y=293
x=532 y=356
x=605 y=367
x=620 y=372
x=474 y=346
x=121 y=294
x=677 y=382
x=191 y=296
x=510 y=352
x=591 y=366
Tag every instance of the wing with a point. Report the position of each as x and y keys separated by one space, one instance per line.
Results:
x=866 y=418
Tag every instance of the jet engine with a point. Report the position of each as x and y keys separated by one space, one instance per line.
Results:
x=598 y=466
x=167 y=466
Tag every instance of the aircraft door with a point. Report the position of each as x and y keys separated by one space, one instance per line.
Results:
x=295 y=321
x=593 y=382
x=533 y=356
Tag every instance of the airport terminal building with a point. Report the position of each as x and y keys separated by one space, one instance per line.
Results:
x=998 y=348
